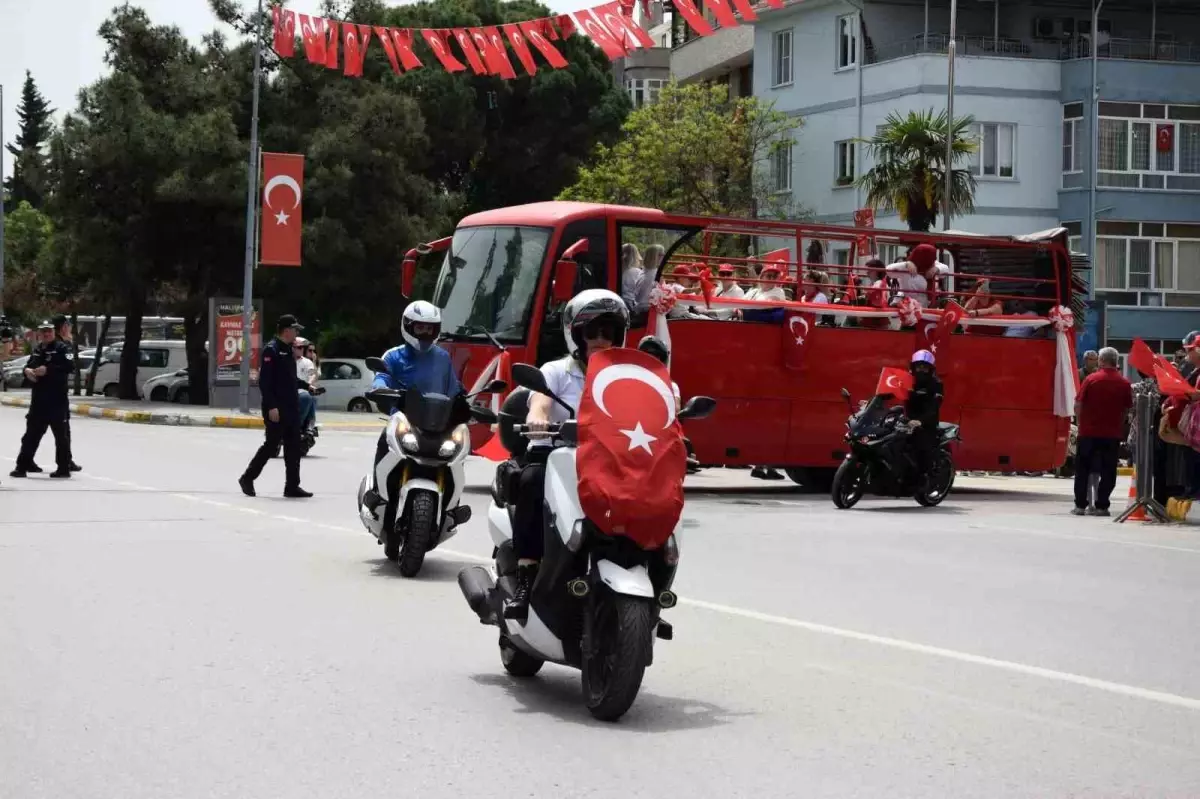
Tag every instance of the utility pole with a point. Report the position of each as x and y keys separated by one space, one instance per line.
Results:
x=950 y=112
x=251 y=208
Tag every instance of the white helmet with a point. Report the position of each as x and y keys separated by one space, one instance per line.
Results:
x=593 y=305
x=421 y=325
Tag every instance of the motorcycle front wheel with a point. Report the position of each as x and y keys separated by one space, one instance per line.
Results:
x=940 y=483
x=422 y=526
x=849 y=484
x=622 y=636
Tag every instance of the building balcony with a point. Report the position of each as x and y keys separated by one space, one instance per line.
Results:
x=705 y=57
x=1040 y=49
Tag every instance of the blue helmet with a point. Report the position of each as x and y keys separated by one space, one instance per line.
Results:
x=923 y=356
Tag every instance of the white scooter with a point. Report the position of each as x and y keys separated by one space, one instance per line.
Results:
x=409 y=501
x=597 y=598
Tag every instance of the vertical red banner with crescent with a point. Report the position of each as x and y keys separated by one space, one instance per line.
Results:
x=282 y=206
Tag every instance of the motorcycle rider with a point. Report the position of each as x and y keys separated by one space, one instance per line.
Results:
x=306 y=375
x=922 y=408
x=594 y=320
x=420 y=364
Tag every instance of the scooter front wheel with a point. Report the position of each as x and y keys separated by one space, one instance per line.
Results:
x=422 y=526
x=623 y=634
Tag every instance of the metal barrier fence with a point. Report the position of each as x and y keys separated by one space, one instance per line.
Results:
x=1145 y=435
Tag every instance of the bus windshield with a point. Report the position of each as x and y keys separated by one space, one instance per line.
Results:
x=488 y=280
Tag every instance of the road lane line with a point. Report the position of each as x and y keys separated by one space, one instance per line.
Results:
x=1120 y=689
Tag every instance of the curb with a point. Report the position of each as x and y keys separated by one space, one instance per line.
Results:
x=176 y=419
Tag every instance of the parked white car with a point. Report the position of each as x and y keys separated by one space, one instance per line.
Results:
x=154 y=358
x=169 y=387
x=346 y=382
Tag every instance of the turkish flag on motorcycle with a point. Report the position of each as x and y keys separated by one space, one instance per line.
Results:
x=896 y=382
x=796 y=331
x=283 y=190
x=631 y=460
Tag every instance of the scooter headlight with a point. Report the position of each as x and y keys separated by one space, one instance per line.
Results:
x=409 y=443
x=453 y=445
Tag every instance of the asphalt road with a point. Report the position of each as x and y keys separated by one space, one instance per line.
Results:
x=163 y=636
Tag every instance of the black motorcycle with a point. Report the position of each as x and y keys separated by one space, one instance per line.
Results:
x=880 y=460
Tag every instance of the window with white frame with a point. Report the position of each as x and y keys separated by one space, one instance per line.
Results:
x=845 y=163
x=1148 y=263
x=781 y=58
x=847 y=41
x=781 y=168
x=996 y=152
x=643 y=92
x=1149 y=146
x=1072 y=138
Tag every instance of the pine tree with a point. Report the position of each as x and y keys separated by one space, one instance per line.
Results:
x=27 y=181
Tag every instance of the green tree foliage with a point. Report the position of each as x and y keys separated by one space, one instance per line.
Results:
x=28 y=180
x=694 y=151
x=28 y=234
x=909 y=175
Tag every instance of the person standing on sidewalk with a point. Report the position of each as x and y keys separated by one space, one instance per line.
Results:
x=1101 y=409
x=280 y=409
x=48 y=369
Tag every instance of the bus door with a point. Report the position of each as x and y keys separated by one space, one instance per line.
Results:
x=592 y=274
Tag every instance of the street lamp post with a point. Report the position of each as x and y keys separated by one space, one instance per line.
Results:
x=950 y=112
x=1094 y=122
x=251 y=205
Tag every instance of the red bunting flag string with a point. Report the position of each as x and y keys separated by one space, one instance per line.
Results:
x=492 y=50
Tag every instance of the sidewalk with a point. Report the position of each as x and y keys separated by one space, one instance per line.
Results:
x=164 y=413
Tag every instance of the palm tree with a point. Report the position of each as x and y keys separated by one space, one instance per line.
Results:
x=909 y=175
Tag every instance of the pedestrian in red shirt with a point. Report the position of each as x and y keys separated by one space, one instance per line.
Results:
x=1100 y=410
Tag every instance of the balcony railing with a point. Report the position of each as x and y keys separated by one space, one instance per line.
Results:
x=1041 y=49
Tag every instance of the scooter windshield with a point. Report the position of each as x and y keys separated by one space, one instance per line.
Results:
x=428 y=412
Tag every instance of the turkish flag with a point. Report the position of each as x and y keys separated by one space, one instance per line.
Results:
x=628 y=33
x=520 y=47
x=438 y=43
x=357 y=38
x=539 y=32
x=312 y=31
x=695 y=19
x=402 y=40
x=1171 y=384
x=935 y=335
x=629 y=440
x=797 y=329
x=607 y=40
x=285 y=31
x=331 y=44
x=1166 y=138
x=896 y=382
x=467 y=45
x=1142 y=358
x=495 y=55
x=283 y=191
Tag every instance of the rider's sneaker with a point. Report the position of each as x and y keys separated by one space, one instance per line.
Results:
x=517 y=608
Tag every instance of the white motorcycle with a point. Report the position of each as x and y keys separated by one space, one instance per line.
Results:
x=409 y=501
x=597 y=599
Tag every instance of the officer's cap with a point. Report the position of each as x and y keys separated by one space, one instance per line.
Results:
x=286 y=321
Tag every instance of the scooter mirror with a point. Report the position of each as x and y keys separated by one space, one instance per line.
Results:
x=530 y=377
x=376 y=364
x=697 y=408
x=495 y=387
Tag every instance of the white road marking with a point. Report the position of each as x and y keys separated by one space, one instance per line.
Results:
x=1120 y=689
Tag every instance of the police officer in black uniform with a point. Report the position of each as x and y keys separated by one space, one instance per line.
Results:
x=281 y=410
x=49 y=369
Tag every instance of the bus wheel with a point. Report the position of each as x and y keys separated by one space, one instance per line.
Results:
x=812 y=478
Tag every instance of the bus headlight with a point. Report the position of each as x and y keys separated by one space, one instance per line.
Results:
x=453 y=445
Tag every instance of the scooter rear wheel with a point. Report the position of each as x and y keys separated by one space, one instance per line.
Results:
x=516 y=662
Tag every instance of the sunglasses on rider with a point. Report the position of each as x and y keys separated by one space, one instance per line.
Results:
x=600 y=330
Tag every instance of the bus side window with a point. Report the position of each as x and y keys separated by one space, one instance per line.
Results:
x=592 y=274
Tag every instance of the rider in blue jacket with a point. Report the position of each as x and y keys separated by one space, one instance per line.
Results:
x=418 y=364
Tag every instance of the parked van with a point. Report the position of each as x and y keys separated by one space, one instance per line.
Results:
x=154 y=358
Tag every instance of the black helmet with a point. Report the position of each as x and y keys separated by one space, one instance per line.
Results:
x=594 y=306
x=653 y=345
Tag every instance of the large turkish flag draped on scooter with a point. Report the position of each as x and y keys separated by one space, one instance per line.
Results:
x=631 y=459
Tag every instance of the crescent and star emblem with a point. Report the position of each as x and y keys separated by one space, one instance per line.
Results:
x=281 y=218
x=792 y=327
x=638 y=437
x=892 y=382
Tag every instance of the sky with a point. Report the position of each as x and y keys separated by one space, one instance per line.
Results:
x=56 y=40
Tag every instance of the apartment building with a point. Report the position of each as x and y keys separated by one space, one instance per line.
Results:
x=1023 y=70
x=726 y=57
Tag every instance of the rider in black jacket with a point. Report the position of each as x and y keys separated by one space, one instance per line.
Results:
x=49 y=368
x=923 y=406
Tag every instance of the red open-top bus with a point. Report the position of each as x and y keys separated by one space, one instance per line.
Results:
x=497 y=288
